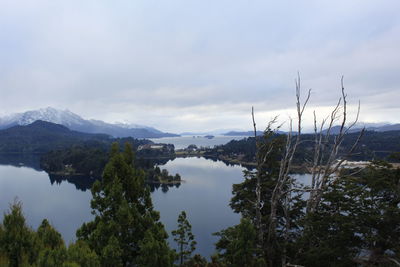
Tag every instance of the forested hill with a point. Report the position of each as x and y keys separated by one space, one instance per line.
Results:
x=41 y=137
x=373 y=145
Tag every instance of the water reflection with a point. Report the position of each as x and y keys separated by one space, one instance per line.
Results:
x=64 y=206
x=20 y=160
x=82 y=183
x=204 y=196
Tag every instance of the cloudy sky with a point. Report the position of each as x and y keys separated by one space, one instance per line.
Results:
x=199 y=65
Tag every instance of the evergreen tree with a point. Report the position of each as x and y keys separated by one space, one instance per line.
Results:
x=153 y=250
x=329 y=236
x=357 y=222
x=49 y=236
x=52 y=248
x=184 y=238
x=17 y=239
x=253 y=197
x=197 y=261
x=3 y=258
x=123 y=212
x=237 y=245
x=80 y=253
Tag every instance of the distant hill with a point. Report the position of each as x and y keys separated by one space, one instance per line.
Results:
x=385 y=128
x=382 y=128
x=372 y=127
x=373 y=145
x=42 y=136
x=77 y=123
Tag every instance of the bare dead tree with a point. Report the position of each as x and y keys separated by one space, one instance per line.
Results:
x=261 y=159
x=283 y=180
x=324 y=165
x=327 y=162
x=258 y=204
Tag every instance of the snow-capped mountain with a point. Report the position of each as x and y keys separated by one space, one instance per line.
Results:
x=77 y=123
x=64 y=117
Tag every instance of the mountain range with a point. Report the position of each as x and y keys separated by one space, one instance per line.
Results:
x=368 y=127
x=374 y=127
x=77 y=123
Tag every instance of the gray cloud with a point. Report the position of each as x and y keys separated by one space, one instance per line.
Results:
x=197 y=65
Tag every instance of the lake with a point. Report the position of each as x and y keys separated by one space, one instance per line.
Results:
x=204 y=195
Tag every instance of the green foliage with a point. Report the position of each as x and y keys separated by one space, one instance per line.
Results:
x=269 y=153
x=17 y=239
x=237 y=245
x=153 y=250
x=359 y=215
x=21 y=246
x=71 y=264
x=244 y=194
x=77 y=160
x=245 y=147
x=373 y=145
x=111 y=254
x=123 y=212
x=49 y=237
x=196 y=261
x=80 y=254
x=52 y=257
x=156 y=175
x=330 y=234
x=184 y=238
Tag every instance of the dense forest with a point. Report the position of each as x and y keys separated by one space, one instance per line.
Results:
x=372 y=146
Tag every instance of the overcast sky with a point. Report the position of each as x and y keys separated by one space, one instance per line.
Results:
x=199 y=65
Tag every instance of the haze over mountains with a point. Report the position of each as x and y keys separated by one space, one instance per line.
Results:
x=376 y=127
x=77 y=123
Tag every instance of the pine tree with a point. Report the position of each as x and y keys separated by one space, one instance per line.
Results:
x=357 y=221
x=237 y=245
x=17 y=239
x=49 y=236
x=153 y=250
x=253 y=200
x=123 y=213
x=52 y=248
x=81 y=254
x=184 y=238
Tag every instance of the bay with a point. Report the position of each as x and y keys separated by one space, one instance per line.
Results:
x=204 y=195
x=62 y=204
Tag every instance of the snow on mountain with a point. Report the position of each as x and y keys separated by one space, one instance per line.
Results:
x=77 y=123
x=64 y=117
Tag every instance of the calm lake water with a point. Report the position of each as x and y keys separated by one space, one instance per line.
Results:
x=204 y=196
x=200 y=141
x=62 y=204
